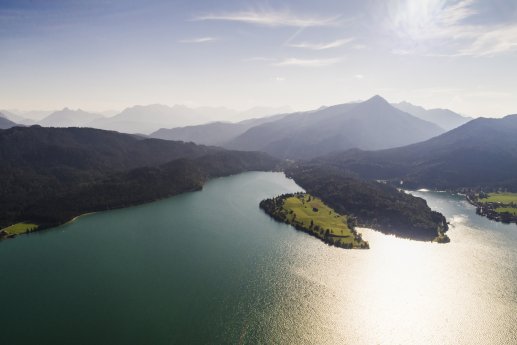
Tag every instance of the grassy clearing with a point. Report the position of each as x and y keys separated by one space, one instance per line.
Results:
x=503 y=198
x=511 y=210
x=20 y=228
x=313 y=215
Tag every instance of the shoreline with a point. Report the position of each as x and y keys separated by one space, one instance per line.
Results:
x=488 y=210
x=81 y=215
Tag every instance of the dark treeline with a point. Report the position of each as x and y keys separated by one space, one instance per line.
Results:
x=50 y=175
x=373 y=204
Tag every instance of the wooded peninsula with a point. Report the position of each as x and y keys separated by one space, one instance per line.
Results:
x=309 y=214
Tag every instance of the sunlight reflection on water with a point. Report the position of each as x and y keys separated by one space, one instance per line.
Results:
x=408 y=292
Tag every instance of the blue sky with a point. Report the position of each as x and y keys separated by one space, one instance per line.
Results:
x=102 y=54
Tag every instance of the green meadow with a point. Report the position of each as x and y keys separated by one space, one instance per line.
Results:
x=503 y=198
x=19 y=228
x=511 y=210
x=313 y=215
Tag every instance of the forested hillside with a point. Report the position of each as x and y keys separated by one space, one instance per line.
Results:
x=49 y=175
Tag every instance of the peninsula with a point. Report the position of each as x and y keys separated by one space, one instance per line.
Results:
x=309 y=214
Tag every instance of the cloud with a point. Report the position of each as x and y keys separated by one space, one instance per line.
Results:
x=359 y=76
x=438 y=28
x=492 y=42
x=322 y=46
x=307 y=62
x=271 y=18
x=199 y=40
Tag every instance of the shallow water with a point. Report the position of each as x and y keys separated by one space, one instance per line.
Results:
x=210 y=267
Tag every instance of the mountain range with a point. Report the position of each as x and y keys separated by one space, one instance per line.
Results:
x=445 y=118
x=215 y=133
x=141 y=119
x=146 y=119
x=371 y=125
x=69 y=118
x=479 y=154
x=187 y=124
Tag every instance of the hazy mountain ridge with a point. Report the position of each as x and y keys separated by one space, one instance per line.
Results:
x=5 y=123
x=15 y=118
x=151 y=118
x=481 y=153
x=445 y=118
x=24 y=117
x=69 y=118
x=373 y=124
x=215 y=133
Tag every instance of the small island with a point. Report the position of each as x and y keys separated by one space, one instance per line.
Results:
x=501 y=207
x=309 y=214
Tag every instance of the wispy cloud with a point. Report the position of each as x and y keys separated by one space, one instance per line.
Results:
x=271 y=18
x=199 y=40
x=492 y=42
x=322 y=46
x=438 y=28
x=307 y=62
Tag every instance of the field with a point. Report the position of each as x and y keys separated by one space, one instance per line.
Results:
x=503 y=198
x=313 y=215
x=511 y=210
x=20 y=228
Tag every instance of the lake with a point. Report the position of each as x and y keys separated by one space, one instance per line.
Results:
x=210 y=267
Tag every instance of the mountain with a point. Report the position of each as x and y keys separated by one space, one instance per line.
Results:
x=15 y=118
x=26 y=117
x=445 y=118
x=149 y=118
x=215 y=133
x=48 y=175
x=479 y=154
x=373 y=124
x=5 y=123
x=69 y=118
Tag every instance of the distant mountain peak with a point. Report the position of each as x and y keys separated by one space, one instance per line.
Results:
x=376 y=100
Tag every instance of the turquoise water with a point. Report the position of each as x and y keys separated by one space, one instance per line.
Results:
x=210 y=267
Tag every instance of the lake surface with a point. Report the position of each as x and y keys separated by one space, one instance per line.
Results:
x=210 y=267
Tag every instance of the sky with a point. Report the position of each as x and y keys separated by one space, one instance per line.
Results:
x=110 y=54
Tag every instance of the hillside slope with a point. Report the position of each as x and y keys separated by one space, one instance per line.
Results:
x=481 y=153
x=41 y=166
